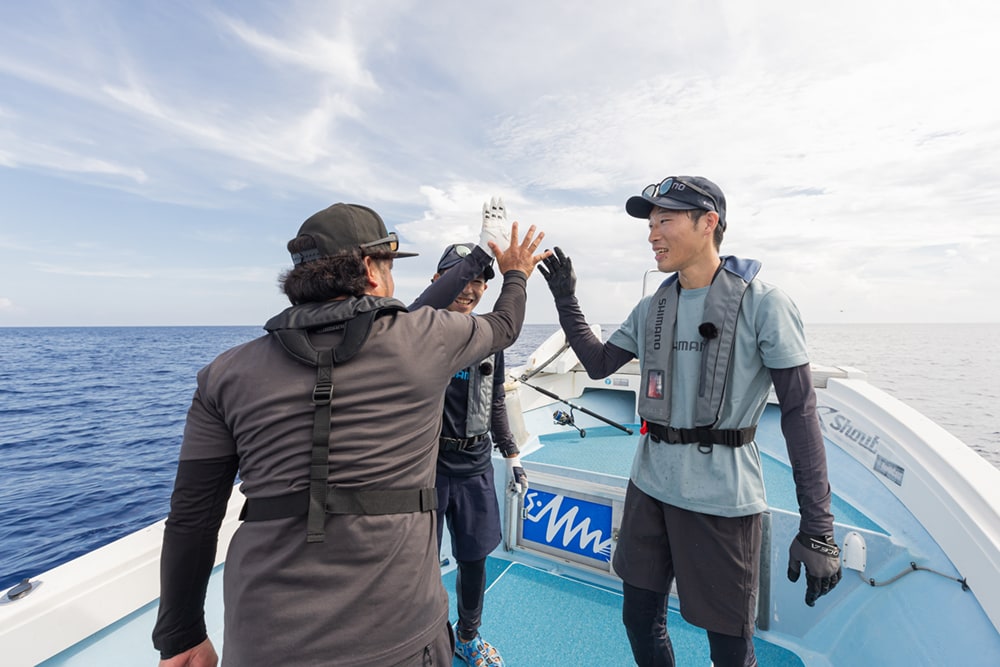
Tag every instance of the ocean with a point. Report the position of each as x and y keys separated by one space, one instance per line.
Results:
x=91 y=418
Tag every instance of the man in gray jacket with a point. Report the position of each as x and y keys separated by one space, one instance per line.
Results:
x=331 y=421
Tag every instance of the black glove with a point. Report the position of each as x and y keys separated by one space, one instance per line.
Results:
x=821 y=556
x=557 y=269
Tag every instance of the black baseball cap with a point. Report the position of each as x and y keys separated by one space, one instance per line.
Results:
x=679 y=193
x=339 y=229
x=455 y=253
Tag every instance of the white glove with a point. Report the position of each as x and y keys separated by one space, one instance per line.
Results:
x=495 y=227
x=516 y=474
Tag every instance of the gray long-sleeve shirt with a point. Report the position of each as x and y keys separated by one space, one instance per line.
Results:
x=372 y=591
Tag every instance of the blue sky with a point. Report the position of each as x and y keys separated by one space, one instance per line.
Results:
x=155 y=157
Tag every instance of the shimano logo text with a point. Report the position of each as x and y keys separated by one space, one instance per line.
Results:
x=658 y=323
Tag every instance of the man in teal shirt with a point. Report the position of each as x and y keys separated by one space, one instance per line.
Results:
x=711 y=342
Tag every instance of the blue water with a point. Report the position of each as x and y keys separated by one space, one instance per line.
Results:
x=91 y=418
x=90 y=428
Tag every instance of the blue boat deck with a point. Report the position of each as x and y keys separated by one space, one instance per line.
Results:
x=542 y=610
x=535 y=616
x=544 y=615
x=539 y=619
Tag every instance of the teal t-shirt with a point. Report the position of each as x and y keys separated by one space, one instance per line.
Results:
x=728 y=481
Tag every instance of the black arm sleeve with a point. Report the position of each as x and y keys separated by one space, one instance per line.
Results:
x=503 y=438
x=508 y=312
x=600 y=359
x=806 y=451
x=190 y=537
x=441 y=292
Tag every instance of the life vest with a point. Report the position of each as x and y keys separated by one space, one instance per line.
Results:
x=478 y=408
x=477 y=416
x=291 y=328
x=718 y=331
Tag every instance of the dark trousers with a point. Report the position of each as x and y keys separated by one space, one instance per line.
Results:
x=644 y=614
x=470 y=586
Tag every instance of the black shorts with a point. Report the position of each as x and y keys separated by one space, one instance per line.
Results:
x=470 y=506
x=714 y=559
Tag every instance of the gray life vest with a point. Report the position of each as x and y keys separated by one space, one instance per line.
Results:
x=291 y=327
x=722 y=309
x=477 y=416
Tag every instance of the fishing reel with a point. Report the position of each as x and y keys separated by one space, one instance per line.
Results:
x=566 y=419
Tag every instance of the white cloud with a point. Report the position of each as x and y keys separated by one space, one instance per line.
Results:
x=856 y=155
x=306 y=47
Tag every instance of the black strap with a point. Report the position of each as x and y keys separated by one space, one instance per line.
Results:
x=319 y=469
x=458 y=444
x=297 y=343
x=732 y=437
x=341 y=501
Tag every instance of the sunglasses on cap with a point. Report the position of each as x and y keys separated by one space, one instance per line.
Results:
x=678 y=185
x=392 y=240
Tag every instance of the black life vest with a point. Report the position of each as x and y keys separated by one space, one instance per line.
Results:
x=291 y=328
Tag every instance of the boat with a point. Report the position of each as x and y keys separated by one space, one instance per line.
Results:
x=917 y=514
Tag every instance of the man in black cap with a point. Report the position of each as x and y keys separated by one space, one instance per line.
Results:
x=710 y=342
x=331 y=421
x=474 y=407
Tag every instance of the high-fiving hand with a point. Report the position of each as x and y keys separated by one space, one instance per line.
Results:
x=495 y=227
x=558 y=272
x=519 y=255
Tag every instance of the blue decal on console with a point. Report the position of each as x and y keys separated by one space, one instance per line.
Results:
x=568 y=524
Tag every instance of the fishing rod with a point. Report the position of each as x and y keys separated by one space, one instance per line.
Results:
x=564 y=419
x=538 y=369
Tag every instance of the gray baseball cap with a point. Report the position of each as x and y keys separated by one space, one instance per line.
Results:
x=679 y=193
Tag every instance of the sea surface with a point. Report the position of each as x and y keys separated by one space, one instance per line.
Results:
x=91 y=418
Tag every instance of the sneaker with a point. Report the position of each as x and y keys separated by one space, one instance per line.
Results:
x=477 y=653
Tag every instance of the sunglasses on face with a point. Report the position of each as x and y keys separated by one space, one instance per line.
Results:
x=678 y=185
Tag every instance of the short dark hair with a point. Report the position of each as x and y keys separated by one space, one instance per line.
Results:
x=695 y=215
x=328 y=277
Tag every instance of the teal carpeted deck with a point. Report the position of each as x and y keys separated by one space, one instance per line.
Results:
x=538 y=619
